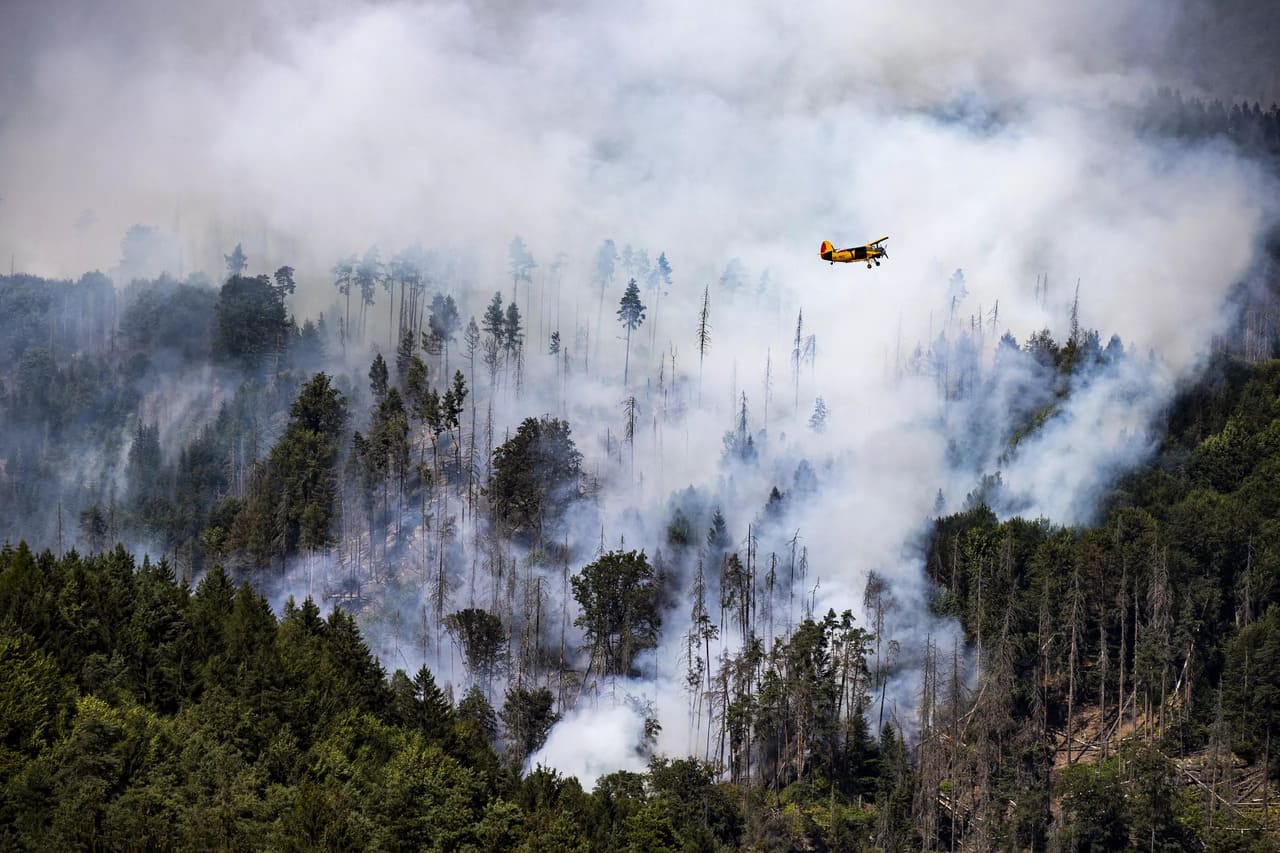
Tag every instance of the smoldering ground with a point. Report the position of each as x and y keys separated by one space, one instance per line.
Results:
x=996 y=139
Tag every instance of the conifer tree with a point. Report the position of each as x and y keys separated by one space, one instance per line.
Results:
x=471 y=339
x=513 y=340
x=379 y=380
x=368 y=273
x=236 y=262
x=343 y=277
x=660 y=283
x=818 y=420
x=434 y=711
x=284 y=282
x=521 y=264
x=631 y=315
x=444 y=323
x=482 y=639
x=476 y=709
x=495 y=330
x=527 y=716
x=404 y=353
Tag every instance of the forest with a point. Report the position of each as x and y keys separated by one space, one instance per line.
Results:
x=332 y=582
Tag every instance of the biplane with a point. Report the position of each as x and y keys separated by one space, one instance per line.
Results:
x=870 y=253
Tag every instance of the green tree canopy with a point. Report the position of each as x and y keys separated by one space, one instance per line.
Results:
x=293 y=499
x=250 y=320
x=618 y=595
x=482 y=638
x=236 y=261
x=631 y=315
x=536 y=476
x=528 y=716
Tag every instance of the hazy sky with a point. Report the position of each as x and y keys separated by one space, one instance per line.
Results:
x=318 y=127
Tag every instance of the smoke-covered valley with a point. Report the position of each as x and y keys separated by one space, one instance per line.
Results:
x=828 y=413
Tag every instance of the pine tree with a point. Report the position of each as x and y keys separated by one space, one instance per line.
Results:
x=631 y=315
x=343 y=277
x=521 y=264
x=250 y=322
x=405 y=268
x=404 y=355
x=717 y=535
x=527 y=716
x=368 y=274
x=483 y=641
x=236 y=262
x=444 y=323
x=660 y=283
x=471 y=340
x=494 y=324
x=284 y=282
x=434 y=712
x=476 y=709
x=513 y=339
x=379 y=380
x=818 y=420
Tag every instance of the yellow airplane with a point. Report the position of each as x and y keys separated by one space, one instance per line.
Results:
x=871 y=253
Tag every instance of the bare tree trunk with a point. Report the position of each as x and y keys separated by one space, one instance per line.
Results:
x=1044 y=639
x=1103 y=668
x=1122 y=600
x=1266 y=783
x=1073 y=656
x=1136 y=624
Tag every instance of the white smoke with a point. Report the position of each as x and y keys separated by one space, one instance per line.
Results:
x=998 y=138
x=593 y=742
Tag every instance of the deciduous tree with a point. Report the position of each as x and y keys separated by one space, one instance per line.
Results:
x=620 y=616
x=536 y=476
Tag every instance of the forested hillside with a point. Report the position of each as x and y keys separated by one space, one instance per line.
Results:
x=167 y=701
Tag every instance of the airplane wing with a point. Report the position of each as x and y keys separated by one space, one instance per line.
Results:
x=877 y=242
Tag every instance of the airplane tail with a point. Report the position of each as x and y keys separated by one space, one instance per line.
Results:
x=826 y=250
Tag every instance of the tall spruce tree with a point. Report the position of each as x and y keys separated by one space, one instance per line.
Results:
x=631 y=315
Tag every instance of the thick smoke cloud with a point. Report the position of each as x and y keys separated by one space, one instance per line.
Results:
x=994 y=138
x=593 y=742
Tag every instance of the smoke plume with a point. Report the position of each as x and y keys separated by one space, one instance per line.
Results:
x=998 y=140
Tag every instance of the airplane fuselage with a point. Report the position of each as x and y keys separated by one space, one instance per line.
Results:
x=868 y=254
x=845 y=256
